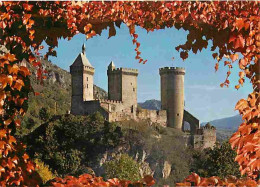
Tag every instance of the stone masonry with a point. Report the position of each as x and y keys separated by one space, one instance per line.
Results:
x=121 y=104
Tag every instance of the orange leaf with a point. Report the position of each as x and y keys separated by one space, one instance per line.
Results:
x=226 y=63
x=19 y=84
x=216 y=66
x=237 y=86
x=24 y=71
x=1 y=170
x=9 y=80
x=234 y=57
x=27 y=6
x=13 y=69
x=239 y=23
x=87 y=27
x=18 y=122
x=2 y=145
x=183 y=184
x=2 y=133
x=10 y=57
x=31 y=58
x=241 y=104
x=149 y=180
x=8 y=121
x=239 y=42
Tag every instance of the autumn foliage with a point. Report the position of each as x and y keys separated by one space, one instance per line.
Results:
x=233 y=28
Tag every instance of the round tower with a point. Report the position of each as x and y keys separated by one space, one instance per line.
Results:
x=172 y=95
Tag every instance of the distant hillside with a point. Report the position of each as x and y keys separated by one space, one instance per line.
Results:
x=151 y=104
x=230 y=123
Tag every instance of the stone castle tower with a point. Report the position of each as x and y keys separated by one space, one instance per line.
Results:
x=82 y=73
x=121 y=104
x=172 y=95
x=122 y=85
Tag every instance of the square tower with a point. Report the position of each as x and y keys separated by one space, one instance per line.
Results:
x=122 y=84
x=82 y=73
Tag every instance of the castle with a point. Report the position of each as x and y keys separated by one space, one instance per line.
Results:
x=122 y=99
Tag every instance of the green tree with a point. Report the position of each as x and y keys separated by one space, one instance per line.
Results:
x=123 y=167
x=43 y=114
x=69 y=144
x=219 y=161
x=44 y=171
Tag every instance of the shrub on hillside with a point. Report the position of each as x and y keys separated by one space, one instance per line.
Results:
x=44 y=171
x=69 y=144
x=122 y=167
x=219 y=161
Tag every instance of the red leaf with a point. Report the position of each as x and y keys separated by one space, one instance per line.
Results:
x=184 y=55
x=239 y=42
x=87 y=27
x=239 y=23
x=27 y=7
x=216 y=66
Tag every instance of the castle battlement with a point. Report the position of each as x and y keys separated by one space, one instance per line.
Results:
x=174 y=70
x=123 y=70
x=109 y=101
x=208 y=128
x=81 y=68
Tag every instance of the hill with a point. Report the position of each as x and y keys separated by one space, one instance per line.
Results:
x=229 y=123
x=73 y=145
x=151 y=104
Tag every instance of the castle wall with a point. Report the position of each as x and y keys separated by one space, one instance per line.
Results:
x=88 y=107
x=155 y=116
x=114 y=86
x=209 y=137
x=194 y=122
x=77 y=88
x=129 y=89
x=118 y=111
x=205 y=138
x=172 y=95
x=88 y=84
x=77 y=81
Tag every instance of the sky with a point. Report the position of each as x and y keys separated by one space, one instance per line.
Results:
x=204 y=98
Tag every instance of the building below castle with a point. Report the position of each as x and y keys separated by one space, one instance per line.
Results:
x=121 y=104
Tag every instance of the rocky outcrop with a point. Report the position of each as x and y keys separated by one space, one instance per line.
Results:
x=148 y=165
x=166 y=169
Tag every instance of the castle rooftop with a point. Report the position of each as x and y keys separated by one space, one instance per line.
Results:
x=81 y=59
x=111 y=65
